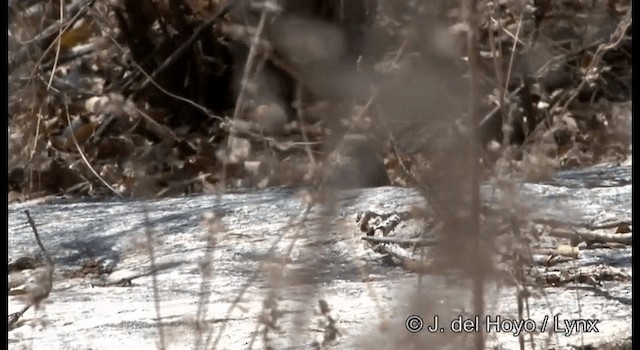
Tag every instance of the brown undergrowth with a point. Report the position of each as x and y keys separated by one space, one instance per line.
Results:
x=143 y=98
x=138 y=98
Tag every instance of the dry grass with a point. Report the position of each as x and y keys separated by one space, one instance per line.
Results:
x=141 y=99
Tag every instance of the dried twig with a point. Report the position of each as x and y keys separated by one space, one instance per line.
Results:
x=574 y=235
x=469 y=11
x=77 y=11
x=86 y=161
x=591 y=275
x=43 y=282
x=187 y=44
x=414 y=242
x=249 y=66
x=39 y=241
x=154 y=277
x=123 y=282
x=616 y=38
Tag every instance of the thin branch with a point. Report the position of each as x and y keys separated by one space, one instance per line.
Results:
x=45 y=284
x=154 y=278
x=187 y=44
x=38 y=240
x=21 y=57
x=58 y=45
x=86 y=161
x=239 y=106
x=469 y=10
x=202 y=108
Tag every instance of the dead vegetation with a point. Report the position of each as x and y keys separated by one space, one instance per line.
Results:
x=163 y=98
x=30 y=281
x=143 y=98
